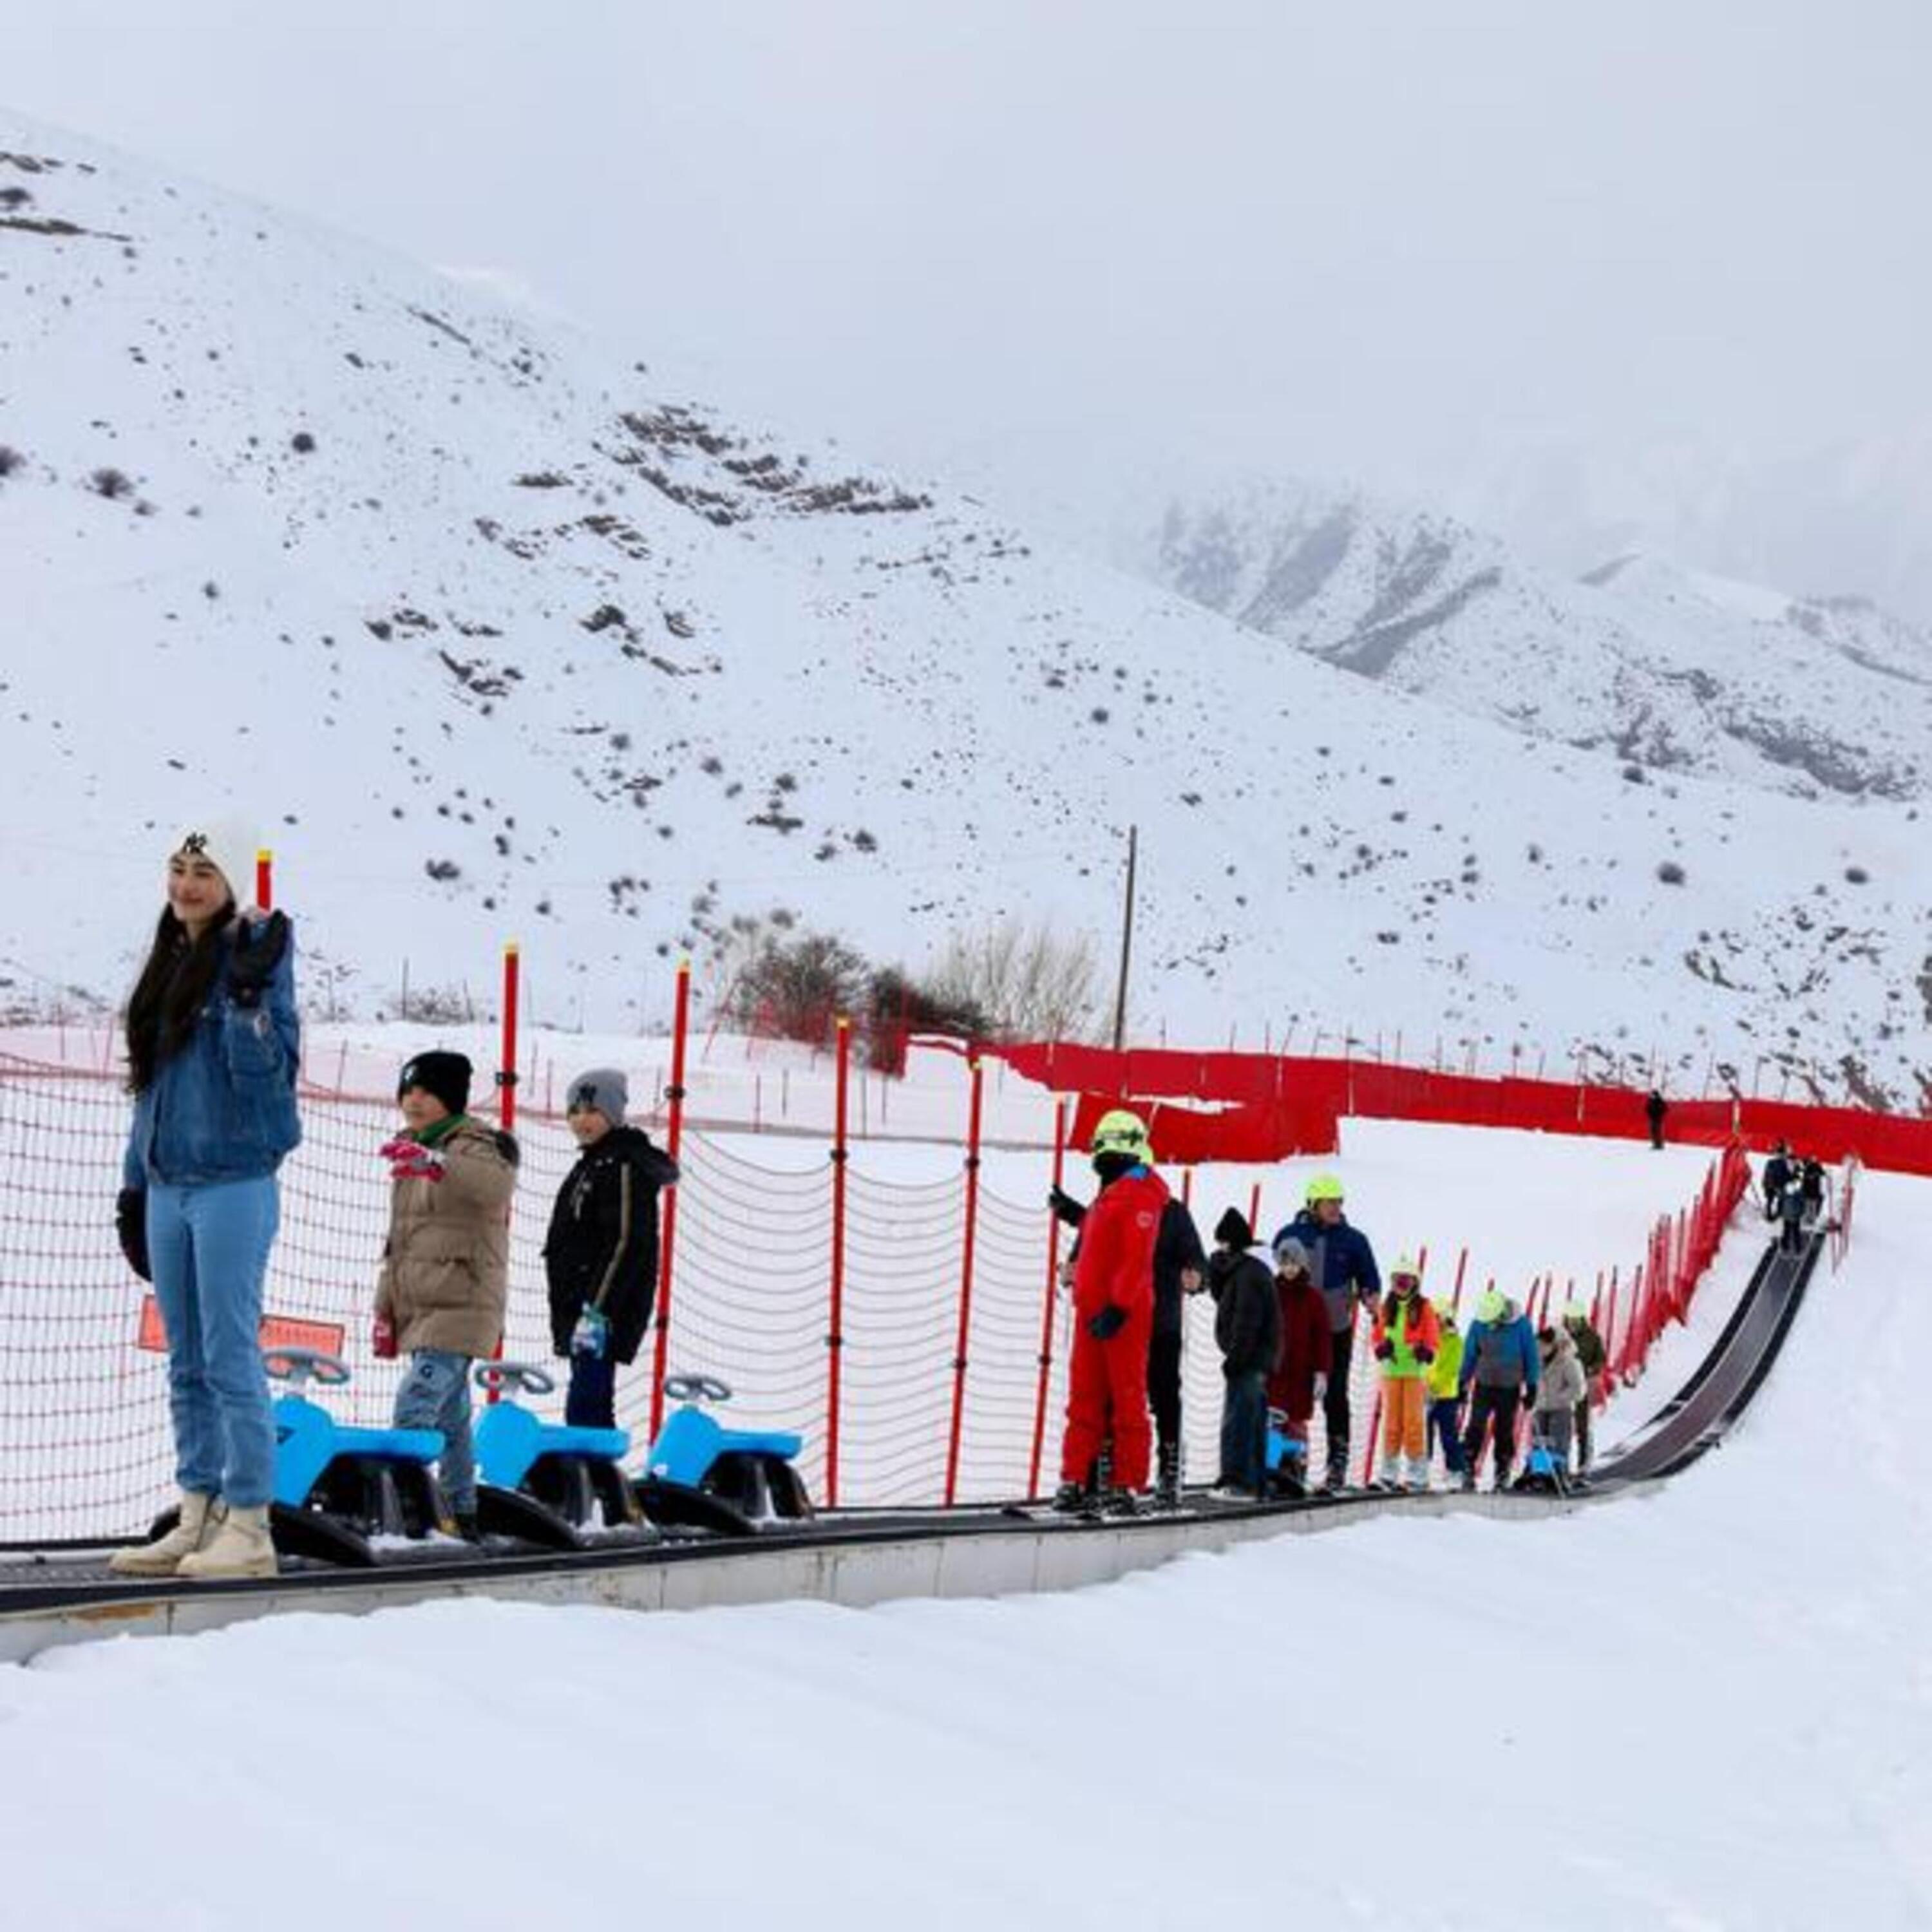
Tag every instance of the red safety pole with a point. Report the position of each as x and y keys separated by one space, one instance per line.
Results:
x=264 y=879
x=674 y=1139
x=1047 y=1302
x=1461 y=1263
x=506 y=1058
x=835 y=1338
x=1255 y=1208
x=506 y=1094
x=965 y=1287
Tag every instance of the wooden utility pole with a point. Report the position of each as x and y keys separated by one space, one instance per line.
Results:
x=1127 y=943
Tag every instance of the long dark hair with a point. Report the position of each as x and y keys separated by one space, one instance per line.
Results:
x=168 y=998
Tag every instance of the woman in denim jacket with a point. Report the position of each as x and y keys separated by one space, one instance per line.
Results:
x=213 y=1043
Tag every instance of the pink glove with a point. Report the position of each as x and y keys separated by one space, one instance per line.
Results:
x=410 y=1160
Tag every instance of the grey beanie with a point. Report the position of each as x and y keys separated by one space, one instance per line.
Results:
x=1291 y=1255
x=604 y=1088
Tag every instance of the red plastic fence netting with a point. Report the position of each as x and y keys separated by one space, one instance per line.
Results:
x=84 y=1436
x=85 y=1443
x=1267 y=1107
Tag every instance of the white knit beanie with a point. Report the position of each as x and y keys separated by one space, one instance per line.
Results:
x=228 y=843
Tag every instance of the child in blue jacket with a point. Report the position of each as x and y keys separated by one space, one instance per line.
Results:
x=1500 y=1370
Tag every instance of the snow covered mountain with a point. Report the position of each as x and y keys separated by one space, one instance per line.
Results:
x=495 y=638
x=1671 y=670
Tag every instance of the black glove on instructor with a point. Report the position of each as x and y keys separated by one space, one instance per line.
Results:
x=1109 y=1323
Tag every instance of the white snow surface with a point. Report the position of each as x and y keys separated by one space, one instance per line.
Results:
x=1711 y=1707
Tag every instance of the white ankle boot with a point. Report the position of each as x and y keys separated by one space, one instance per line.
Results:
x=162 y=1557
x=241 y=1547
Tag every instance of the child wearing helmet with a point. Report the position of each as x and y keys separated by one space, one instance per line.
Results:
x=1591 y=1356
x=1113 y=1309
x=1444 y=1379
x=1558 y=1392
x=1500 y=1368
x=1342 y=1266
x=1406 y=1335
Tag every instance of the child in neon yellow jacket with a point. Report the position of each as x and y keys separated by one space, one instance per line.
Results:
x=1444 y=1403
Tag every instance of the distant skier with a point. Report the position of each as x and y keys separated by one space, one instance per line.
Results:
x=1591 y=1357
x=1113 y=1315
x=1811 y=1190
x=1791 y=1218
x=1406 y=1336
x=444 y=1282
x=1179 y=1263
x=1247 y=1326
x=1342 y=1266
x=1655 y=1109
x=1300 y=1376
x=213 y=1043
x=1501 y=1369
x=1779 y=1172
x=601 y=1254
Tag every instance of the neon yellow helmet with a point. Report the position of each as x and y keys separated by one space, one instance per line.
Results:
x=1491 y=1307
x=1324 y=1187
x=1122 y=1132
x=1444 y=1308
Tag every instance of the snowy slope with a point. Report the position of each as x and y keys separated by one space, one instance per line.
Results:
x=498 y=641
x=1710 y=1707
x=1670 y=670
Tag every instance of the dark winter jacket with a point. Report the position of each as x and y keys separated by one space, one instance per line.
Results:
x=1307 y=1347
x=1247 y=1320
x=1582 y=1331
x=1502 y=1354
x=1778 y=1176
x=1342 y=1263
x=1811 y=1183
x=602 y=1246
x=1177 y=1249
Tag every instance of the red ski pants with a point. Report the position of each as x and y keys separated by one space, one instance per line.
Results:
x=1107 y=1388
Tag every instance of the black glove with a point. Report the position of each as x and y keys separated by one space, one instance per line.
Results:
x=257 y=952
x=1109 y=1323
x=1425 y=1354
x=1065 y=1207
x=1385 y=1351
x=130 y=1225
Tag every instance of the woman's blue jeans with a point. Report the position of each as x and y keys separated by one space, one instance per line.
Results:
x=207 y=1247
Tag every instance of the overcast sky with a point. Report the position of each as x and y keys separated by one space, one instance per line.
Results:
x=1421 y=242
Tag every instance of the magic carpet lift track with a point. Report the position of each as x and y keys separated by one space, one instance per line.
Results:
x=856 y=1557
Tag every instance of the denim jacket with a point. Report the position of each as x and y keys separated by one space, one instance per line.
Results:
x=223 y=1108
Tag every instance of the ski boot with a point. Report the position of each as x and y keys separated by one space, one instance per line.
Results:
x=1167 y=1484
x=1070 y=1499
x=1121 y=1502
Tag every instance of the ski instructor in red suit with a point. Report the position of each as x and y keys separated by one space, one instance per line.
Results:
x=1113 y=1313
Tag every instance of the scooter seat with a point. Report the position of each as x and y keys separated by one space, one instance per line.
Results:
x=511 y=1439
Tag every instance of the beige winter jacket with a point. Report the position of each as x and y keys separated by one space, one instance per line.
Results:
x=445 y=1267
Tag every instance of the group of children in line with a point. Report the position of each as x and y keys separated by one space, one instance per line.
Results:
x=1440 y=1390
x=1287 y=1338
